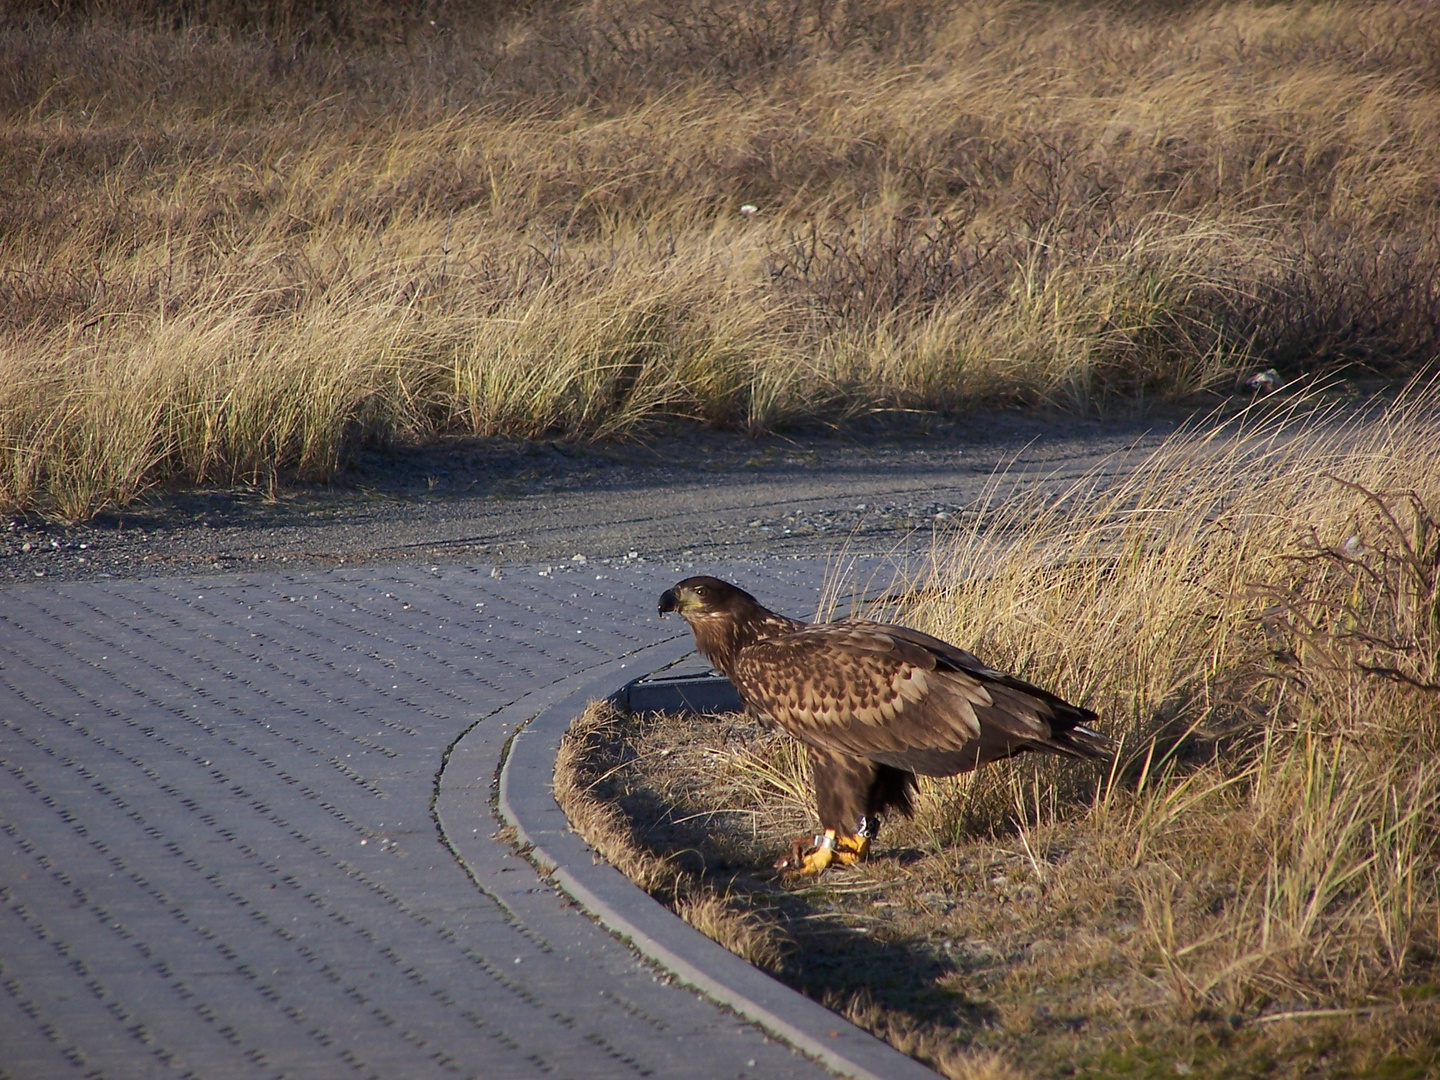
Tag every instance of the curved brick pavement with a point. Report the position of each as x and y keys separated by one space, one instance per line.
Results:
x=219 y=857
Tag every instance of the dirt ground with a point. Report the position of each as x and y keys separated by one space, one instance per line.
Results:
x=686 y=498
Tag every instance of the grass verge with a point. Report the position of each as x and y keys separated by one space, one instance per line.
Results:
x=238 y=240
x=1252 y=889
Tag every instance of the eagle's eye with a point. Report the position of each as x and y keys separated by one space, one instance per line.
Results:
x=701 y=591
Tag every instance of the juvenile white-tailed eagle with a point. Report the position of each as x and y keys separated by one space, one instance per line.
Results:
x=874 y=705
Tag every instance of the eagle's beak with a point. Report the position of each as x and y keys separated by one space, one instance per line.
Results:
x=669 y=602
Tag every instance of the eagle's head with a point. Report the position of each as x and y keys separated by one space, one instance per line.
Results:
x=699 y=597
x=725 y=619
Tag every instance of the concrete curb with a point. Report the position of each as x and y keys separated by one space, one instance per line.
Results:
x=527 y=802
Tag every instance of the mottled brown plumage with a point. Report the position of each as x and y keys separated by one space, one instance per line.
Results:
x=874 y=705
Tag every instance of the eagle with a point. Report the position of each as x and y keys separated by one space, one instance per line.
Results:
x=875 y=705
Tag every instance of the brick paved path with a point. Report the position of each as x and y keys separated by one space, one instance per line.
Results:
x=219 y=856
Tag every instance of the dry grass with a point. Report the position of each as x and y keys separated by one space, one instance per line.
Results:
x=592 y=777
x=1254 y=888
x=239 y=240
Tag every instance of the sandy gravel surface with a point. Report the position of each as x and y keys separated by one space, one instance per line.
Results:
x=683 y=499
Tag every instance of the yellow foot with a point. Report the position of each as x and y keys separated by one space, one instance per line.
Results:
x=809 y=858
x=850 y=850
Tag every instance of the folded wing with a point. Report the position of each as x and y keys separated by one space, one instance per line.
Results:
x=904 y=698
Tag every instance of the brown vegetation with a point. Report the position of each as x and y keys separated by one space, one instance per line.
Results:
x=238 y=239
x=1253 y=888
x=592 y=755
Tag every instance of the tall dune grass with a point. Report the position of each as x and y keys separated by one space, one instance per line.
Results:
x=1259 y=621
x=239 y=240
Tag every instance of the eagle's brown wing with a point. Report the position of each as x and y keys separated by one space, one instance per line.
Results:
x=889 y=694
x=948 y=656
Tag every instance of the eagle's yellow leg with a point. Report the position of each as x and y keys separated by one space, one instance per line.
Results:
x=828 y=849
x=819 y=857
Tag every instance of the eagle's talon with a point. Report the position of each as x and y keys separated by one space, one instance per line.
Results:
x=796 y=855
x=850 y=850
x=813 y=863
x=809 y=857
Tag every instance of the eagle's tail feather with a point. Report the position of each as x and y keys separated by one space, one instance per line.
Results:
x=1081 y=742
x=892 y=789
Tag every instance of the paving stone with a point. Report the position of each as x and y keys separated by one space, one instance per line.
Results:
x=218 y=855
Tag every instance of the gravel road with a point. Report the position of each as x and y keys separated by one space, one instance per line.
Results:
x=689 y=499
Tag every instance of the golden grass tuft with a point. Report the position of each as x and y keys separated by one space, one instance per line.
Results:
x=239 y=240
x=1254 y=887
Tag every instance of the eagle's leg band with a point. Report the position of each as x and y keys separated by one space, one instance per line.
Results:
x=828 y=848
x=814 y=861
